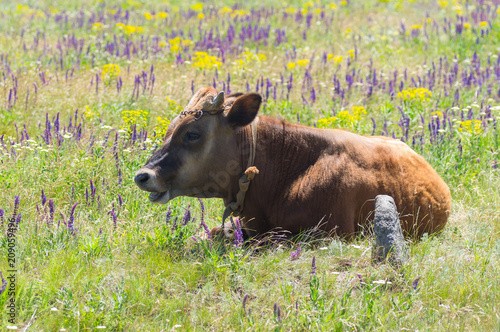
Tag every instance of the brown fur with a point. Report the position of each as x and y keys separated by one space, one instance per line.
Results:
x=307 y=176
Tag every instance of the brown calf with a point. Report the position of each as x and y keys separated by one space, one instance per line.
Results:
x=307 y=176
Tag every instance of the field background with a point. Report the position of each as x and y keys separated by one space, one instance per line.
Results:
x=87 y=90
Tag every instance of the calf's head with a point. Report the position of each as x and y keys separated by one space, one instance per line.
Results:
x=200 y=152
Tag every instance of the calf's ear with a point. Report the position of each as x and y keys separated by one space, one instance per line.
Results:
x=244 y=109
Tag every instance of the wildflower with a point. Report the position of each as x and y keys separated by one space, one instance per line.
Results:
x=2 y=212
x=471 y=126
x=327 y=122
x=187 y=216
x=416 y=27
x=290 y=10
x=16 y=206
x=97 y=26
x=351 y=53
x=415 y=283
x=238 y=234
x=483 y=23
x=303 y=62
x=338 y=59
x=168 y=215
x=44 y=198
x=120 y=199
x=495 y=166
x=162 y=44
x=291 y=65
x=415 y=94
x=72 y=218
x=51 y=211
x=313 y=265
x=294 y=255
x=4 y=284
x=114 y=216
x=18 y=219
x=110 y=71
x=443 y=3
x=201 y=16
x=162 y=15
x=198 y=7
x=277 y=311
x=148 y=16
x=466 y=25
x=204 y=61
x=244 y=302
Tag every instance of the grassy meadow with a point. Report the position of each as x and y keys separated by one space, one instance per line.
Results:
x=87 y=89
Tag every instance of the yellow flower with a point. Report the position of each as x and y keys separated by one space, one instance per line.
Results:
x=343 y=3
x=338 y=59
x=97 y=26
x=415 y=94
x=327 y=123
x=303 y=62
x=162 y=44
x=198 y=7
x=416 y=27
x=129 y=29
x=110 y=71
x=439 y=114
x=204 y=61
x=466 y=25
x=348 y=31
x=239 y=13
x=201 y=16
x=443 y=3
x=471 y=127
x=290 y=10
x=291 y=65
x=162 y=15
x=161 y=128
x=148 y=16
x=225 y=10
x=90 y=114
x=351 y=53
x=483 y=23
x=333 y=6
x=139 y=118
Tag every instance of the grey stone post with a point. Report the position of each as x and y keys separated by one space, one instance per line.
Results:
x=389 y=243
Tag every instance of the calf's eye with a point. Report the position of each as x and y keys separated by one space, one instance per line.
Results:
x=191 y=136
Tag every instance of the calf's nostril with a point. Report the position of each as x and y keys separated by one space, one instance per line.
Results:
x=141 y=178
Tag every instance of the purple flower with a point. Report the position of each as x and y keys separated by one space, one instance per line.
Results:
x=16 y=206
x=202 y=210
x=187 y=216
x=115 y=218
x=51 y=211
x=294 y=255
x=71 y=219
x=18 y=219
x=4 y=284
x=168 y=216
x=100 y=231
x=238 y=234
x=244 y=302
x=207 y=231
x=120 y=199
x=277 y=311
x=495 y=164
x=415 y=283
x=44 y=198
x=313 y=265
x=1 y=216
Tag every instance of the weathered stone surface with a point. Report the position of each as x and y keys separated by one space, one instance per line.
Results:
x=389 y=242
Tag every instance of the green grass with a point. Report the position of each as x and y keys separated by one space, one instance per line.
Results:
x=142 y=275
